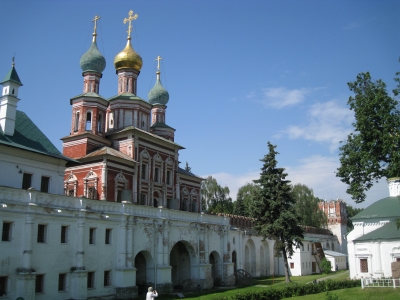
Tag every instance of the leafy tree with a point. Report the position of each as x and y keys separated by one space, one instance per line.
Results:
x=326 y=266
x=307 y=207
x=351 y=212
x=273 y=208
x=244 y=198
x=371 y=151
x=215 y=198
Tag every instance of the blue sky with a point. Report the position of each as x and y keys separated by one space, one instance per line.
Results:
x=239 y=74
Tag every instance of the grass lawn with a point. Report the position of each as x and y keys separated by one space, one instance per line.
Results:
x=357 y=293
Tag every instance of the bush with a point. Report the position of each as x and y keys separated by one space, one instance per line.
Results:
x=292 y=291
x=326 y=266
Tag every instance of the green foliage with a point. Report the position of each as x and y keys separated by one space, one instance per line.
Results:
x=331 y=296
x=371 y=151
x=351 y=212
x=273 y=208
x=326 y=266
x=307 y=207
x=215 y=198
x=244 y=198
x=291 y=290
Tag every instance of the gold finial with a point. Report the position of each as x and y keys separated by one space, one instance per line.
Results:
x=95 y=27
x=131 y=17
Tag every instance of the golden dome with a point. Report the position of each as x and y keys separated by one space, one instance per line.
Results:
x=128 y=58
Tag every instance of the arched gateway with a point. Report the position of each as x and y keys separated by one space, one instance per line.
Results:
x=184 y=266
x=144 y=271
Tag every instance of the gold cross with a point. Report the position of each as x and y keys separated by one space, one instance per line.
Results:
x=158 y=62
x=131 y=17
x=95 y=23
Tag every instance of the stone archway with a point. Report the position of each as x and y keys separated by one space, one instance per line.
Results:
x=215 y=262
x=144 y=271
x=250 y=257
x=157 y=199
x=184 y=266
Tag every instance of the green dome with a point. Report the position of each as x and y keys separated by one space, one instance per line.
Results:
x=158 y=95
x=93 y=60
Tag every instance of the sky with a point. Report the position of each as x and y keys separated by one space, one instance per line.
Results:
x=239 y=74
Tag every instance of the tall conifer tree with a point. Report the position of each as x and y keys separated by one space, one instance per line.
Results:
x=273 y=209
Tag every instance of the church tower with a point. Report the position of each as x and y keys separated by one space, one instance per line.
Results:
x=88 y=109
x=158 y=97
x=9 y=100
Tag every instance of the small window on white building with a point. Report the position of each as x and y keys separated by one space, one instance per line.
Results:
x=92 y=236
x=3 y=286
x=107 y=278
x=6 y=232
x=42 y=233
x=108 y=236
x=90 y=280
x=26 y=181
x=292 y=265
x=44 y=184
x=39 y=283
x=64 y=234
x=62 y=282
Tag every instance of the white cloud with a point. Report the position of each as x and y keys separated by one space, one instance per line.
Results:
x=281 y=97
x=328 y=122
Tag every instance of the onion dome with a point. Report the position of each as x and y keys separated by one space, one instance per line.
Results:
x=93 y=60
x=158 y=94
x=128 y=58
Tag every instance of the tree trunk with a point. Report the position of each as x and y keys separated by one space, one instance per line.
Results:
x=285 y=262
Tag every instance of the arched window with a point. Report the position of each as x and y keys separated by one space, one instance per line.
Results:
x=70 y=185
x=100 y=123
x=90 y=185
x=89 y=120
x=76 y=127
x=120 y=184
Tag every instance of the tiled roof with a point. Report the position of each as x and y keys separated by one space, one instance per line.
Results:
x=183 y=171
x=159 y=124
x=386 y=232
x=127 y=96
x=388 y=207
x=12 y=76
x=144 y=131
x=28 y=136
x=89 y=94
x=333 y=253
x=108 y=151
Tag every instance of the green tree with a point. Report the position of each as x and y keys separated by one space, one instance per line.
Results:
x=244 y=198
x=371 y=151
x=326 y=266
x=215 y=198
x=273 y=209
x=351 y=212
x=307 y=207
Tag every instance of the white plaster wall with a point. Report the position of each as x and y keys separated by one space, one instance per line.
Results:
x=14 y=162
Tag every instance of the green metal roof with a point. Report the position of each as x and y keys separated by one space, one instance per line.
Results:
x=93 y=60
x=386 y=232
x=28 y=136
x=183 y=171
x=388 y=207
x=158 y=94
x=12 y=76
x=163 y=125
x=89 y=94
x=127 y=96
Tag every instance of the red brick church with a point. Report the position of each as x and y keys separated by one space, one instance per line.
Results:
x=122 y=147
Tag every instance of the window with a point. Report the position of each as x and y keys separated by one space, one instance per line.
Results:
x=62 y=282
x=364 y=265
x=26 y=181
x=143 y=171
x=302 y=247
x=39 y=284
x=169 y=177
x=119 y=195
x=90 y=280
x=308 y=247
x=76 y=127
x=108 y=236
x=302 y=265
x=107 y=278
x=292 y=265
x=6 y=233
x=91 y=193
x=88 y=121
x=142 y=199
x=92 y=235
x=3 y=285
x=44 y=184
x=41 y=234
x=100 y=123
x=156 y=175
x=64 y=234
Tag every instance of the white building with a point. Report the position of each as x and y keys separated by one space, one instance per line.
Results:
x=375 y=241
